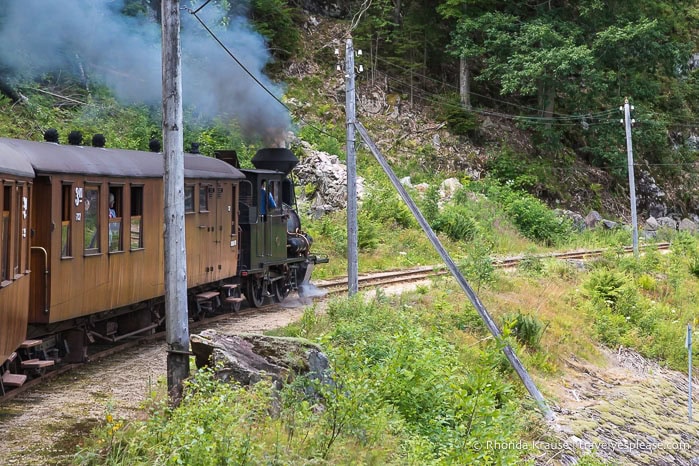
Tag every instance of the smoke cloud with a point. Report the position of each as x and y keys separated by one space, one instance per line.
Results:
x=40 y=36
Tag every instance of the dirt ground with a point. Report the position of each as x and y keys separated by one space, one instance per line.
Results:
x=631 y=411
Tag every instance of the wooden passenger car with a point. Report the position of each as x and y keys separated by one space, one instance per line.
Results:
x=16 y=176
x=97 y=266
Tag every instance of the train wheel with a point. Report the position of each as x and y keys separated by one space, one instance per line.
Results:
x=254 y=292
x=281 y=290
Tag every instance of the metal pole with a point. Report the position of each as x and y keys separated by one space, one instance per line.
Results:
x=632 y=182
x=177 y=326
x=352 y=255
x=480 y=308
x=689 y=349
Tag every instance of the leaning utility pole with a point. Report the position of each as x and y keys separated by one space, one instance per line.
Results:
x=632 y=183
x=177 y=325
x=480 y=308
x=352 y=242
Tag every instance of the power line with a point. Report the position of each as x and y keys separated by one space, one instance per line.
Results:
x=244 y=68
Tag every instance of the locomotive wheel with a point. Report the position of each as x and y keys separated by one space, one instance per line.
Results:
x=281 y=290
x=254 y=293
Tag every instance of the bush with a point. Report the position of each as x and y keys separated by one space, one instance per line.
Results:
x=456 y=222
x=537 y=222
x=528 y=329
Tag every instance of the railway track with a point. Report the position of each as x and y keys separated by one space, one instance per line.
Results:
x=326 y=287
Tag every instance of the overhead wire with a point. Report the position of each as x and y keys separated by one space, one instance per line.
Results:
x=244 y=68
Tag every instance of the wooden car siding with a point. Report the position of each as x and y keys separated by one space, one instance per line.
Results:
x=84 y=284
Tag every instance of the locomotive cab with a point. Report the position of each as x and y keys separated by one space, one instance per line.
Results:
x=274 y=254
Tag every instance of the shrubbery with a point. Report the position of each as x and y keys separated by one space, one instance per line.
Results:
x=403 y=394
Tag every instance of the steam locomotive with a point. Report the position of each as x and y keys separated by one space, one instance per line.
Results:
x=81 y=244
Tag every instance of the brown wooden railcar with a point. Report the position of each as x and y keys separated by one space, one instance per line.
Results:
x=16 y=176
x=97 y=266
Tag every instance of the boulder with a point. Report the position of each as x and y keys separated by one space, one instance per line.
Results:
x=652 y=224
x=667 y=222
x=576 y=219
x=448 y=188
x=250 y=358
x=592 y=219
x=324 y=181
x=688 y=226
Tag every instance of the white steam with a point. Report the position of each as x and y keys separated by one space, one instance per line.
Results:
x=39 y=36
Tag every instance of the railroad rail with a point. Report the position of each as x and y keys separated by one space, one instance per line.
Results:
x=331 y=287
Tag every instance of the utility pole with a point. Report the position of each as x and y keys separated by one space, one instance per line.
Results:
x=688 y=344
x=352 y=255
x=177 y=325
x=632 y=182
x=480 y=308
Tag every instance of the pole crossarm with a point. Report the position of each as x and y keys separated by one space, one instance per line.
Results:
x=480 y=308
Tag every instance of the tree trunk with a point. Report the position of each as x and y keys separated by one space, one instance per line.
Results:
x=465 y=83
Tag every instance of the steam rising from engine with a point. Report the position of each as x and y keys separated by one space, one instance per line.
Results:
x=42 y=36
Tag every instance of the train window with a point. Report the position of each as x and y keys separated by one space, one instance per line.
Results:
x=275 y=190
x=66 y=202
x=19 y=188
x=5 y=238
x=189 y=199
x=115 y=202
x=91 y=219
x=136 y=230
x=204 y=198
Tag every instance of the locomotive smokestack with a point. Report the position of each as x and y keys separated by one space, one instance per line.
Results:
x=195 y=148
x=280 y=159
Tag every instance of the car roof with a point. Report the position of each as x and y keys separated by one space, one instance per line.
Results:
x=47 y=157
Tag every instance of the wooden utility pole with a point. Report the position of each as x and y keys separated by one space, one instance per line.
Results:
x=177 y=330
x=352 y=241
x=632 y=182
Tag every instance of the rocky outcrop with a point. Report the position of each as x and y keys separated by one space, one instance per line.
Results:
x=324 y=181
x=249 y=358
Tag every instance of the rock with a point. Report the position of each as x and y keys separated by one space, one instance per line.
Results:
x=592 y=219
x=249 y=358
x=324 y=180
x=652 y=224
x=688 y=226
x=608 y=224
x=422 y=187
x=667 y=222
x=577 y=219
x=448 y=188
x=406 y=182
x=650 y=196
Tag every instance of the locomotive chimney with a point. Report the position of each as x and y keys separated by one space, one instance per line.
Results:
x=280 y=159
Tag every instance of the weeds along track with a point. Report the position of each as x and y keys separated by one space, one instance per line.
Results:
x=324 y=288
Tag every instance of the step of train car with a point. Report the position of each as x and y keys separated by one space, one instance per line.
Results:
x=208 y=301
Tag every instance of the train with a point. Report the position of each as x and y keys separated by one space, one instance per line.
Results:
x=81 y=245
